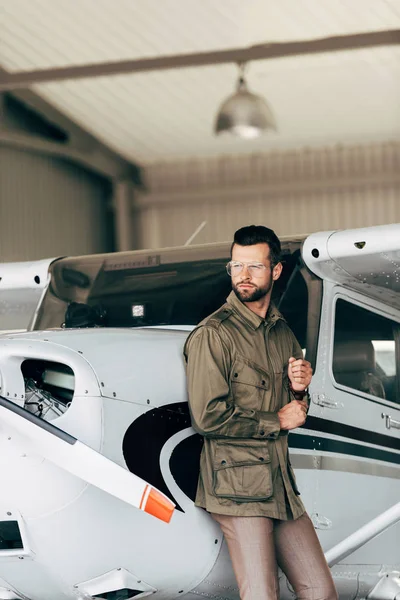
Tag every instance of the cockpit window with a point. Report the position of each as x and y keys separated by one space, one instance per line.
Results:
x=364 y=354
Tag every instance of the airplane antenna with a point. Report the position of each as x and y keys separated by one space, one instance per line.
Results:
x=195 y=233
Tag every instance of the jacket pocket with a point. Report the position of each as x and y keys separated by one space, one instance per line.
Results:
x=242 y=471
x=248 y=384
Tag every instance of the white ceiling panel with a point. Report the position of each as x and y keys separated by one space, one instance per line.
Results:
x=342 y=97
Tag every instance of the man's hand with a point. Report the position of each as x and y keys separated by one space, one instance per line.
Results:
x=293 y=415
x=300 y=373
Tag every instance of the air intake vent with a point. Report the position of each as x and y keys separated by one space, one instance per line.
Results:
x=124 y=594
x=118 y=584
x=10 y=536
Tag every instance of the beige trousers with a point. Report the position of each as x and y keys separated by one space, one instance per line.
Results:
x=258 y=545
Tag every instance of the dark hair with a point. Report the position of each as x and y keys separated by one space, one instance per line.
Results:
x=258 y=234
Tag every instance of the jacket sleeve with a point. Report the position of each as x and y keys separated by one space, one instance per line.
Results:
x=213 y=411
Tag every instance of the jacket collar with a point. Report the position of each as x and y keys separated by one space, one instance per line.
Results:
x=251 y=318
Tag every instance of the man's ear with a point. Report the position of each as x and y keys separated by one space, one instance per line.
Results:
x=276 y=271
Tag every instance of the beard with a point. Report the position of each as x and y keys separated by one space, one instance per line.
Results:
x=251 y=295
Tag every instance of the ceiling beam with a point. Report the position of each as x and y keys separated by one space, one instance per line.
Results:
x=82 y=148
x=24 y=79
x=94 y=160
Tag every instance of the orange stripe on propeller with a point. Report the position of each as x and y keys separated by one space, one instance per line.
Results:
x=158 y=505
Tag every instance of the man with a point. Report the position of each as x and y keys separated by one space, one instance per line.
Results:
x=247 y=384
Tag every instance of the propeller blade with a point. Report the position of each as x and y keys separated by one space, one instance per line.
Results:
x=80 y=460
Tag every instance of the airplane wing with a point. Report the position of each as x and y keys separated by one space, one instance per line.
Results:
x=366 y=260
x=80 y=460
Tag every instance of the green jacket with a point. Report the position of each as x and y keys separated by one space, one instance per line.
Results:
x=237 y=366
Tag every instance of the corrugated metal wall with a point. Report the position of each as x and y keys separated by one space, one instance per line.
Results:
x=292 y=192
x=49 y=207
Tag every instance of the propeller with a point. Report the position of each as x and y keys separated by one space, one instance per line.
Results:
x=80 y=460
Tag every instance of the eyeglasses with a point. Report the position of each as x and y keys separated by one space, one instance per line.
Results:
x=234 y=268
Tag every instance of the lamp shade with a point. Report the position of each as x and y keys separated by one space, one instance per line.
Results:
x=244 y=114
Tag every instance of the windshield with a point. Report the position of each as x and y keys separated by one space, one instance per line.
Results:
x=167 y=287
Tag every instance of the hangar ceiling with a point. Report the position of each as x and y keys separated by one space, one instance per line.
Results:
x=350 y=96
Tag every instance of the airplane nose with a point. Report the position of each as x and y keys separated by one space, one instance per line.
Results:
x=30 y=421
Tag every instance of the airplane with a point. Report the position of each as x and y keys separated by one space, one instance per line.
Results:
x=98 y=459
